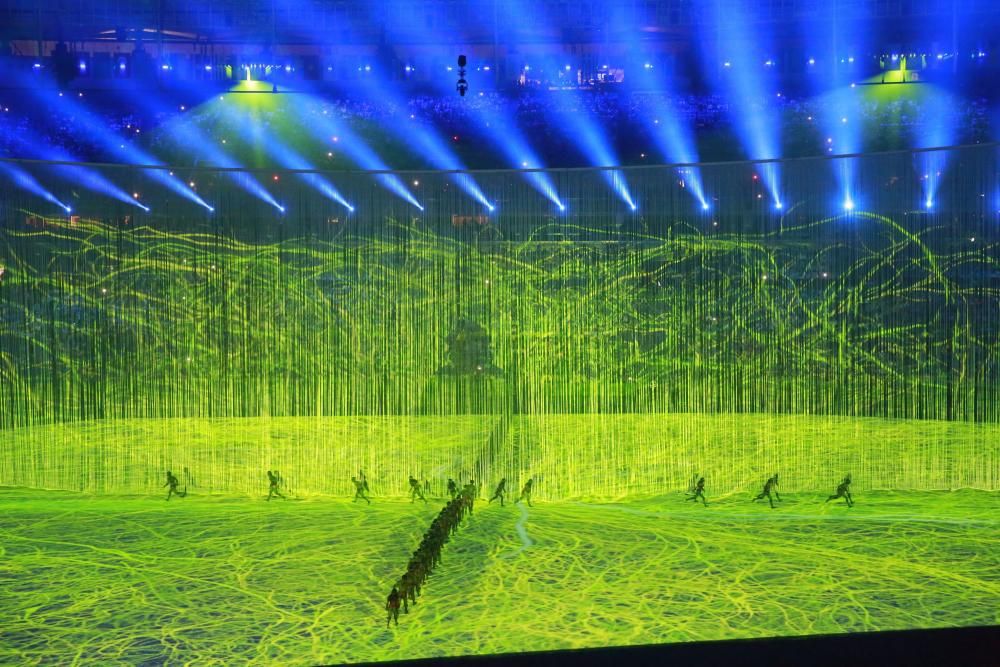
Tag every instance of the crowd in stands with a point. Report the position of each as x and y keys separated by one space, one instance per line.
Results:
x=624 y=114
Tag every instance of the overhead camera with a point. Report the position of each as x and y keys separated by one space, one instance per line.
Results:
x=463 y=85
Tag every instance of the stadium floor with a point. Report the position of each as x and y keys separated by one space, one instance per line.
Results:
x=210 y=580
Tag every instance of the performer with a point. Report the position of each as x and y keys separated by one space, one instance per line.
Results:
x=843 y=491
x=699 y=492
x=769 y=485
x=526 y=492
x=415 y=491
x=272 y=490
x=392 y=606
x=172 y=482
x=359 y=490
x=501 y=487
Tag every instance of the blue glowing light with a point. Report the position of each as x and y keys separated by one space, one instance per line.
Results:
x=757 y=129
x=324 y=127
x=111 y=142
x=26 y=181
x=848 y=204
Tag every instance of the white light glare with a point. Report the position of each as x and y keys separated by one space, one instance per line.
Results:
x=848 y=204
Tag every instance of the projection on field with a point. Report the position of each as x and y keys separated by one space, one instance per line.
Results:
x=277 y=363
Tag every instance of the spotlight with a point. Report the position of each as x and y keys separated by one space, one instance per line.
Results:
x=281 y=208
x=929 y=204
x=562 y=208
x=68 y=209
x=491 y=207
x=634 y=207
x=848 y=204
x=350 y=208
x=211 y=209
x=778 y=205
x=704 y=206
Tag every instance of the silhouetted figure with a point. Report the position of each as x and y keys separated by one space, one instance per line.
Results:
x=359 y=490
x=526 y=492
x=469 y=350
x=188 y=478
x=273 y=480
x=501 y=488
x=769 y=485
x=392 y=606
x=843 y=491
x=415 y=491
x=427 y=487
x=452 y=488
x=693 y=483
x=699 y=492
x=363 y=480
x=172 y=482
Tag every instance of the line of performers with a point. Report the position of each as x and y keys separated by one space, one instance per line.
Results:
x=428 y=554
x=696 y=490
x=419 y=491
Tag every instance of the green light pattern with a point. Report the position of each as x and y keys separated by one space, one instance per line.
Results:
x=629 y=349
x=608 y=356
x=109 y=581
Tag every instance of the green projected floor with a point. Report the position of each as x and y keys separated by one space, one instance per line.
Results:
x=214 y=581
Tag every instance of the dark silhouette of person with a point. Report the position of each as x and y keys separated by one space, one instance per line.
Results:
x=526 y=492
x=359 y=490
x=452 y=488
x=392 y=606
x=415 y=491
x=500 y=490
x=427 y=487
x=699 y=492
x=172 y=482
x=272 y=489
x=693 y=483
x=769 y=485
x=843 y=491
x=364 y=480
